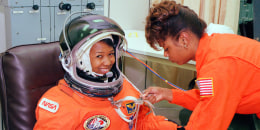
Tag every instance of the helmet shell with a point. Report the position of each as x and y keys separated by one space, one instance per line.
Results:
x=85 y=26
x=82 y=32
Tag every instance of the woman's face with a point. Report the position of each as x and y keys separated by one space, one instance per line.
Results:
x=176 y=51
x=102 y=57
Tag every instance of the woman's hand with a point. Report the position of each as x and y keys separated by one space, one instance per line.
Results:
x=157 y=94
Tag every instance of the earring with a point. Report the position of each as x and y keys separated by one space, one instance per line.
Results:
x=185 y=46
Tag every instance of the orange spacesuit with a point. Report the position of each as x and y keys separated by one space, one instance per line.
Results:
x=66 y=109
x=228 y=77
x=94 y=94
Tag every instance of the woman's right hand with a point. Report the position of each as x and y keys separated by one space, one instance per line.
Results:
x=157 y=94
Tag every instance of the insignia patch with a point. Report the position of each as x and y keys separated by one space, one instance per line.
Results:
x=97 y=122
x=206 y=87
x=49 y=105
x=130 y=107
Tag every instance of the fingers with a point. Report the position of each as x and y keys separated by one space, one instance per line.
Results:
x=151 y=98
x=157 y=94
x=148 y=92
x=152 y=94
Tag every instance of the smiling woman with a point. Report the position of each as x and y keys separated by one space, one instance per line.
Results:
x=98 y=61
x=94 y=93
x=102 y=57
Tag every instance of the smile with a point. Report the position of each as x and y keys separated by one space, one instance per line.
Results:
x=104 y=70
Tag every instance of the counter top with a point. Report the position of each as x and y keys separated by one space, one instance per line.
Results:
x=137 y=44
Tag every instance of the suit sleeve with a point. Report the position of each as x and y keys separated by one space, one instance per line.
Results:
x=191 y=97
x=47 y=120
x=215 y=110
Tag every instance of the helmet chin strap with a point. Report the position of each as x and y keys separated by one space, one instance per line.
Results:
x=92 y=90
x=103 y=76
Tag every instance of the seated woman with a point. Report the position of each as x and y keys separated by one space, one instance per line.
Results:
x=94 y=93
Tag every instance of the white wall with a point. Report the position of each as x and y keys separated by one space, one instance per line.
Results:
x=129 y=14
x=2 y=30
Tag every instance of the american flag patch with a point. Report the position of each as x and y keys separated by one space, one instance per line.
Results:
x=206 y=87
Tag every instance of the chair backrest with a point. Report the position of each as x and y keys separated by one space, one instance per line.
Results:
x=26 y=72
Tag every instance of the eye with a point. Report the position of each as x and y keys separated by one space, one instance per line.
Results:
x=99 y=56
x=111 y=54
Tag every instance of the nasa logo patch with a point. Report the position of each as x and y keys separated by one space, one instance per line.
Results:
x=97 y=122
x=49 y=105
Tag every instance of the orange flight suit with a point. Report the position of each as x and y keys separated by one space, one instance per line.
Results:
x=228 y=77
x=65 y=109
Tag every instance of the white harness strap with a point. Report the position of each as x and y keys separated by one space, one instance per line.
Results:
x=118 y=103
x=138 y=102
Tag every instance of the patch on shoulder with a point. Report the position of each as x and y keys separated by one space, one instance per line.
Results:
x=49 y=105
x=97 y=122
x=206 y=87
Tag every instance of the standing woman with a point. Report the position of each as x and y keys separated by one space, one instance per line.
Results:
x=228 y=67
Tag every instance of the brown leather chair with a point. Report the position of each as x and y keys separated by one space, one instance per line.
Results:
x=26 y=72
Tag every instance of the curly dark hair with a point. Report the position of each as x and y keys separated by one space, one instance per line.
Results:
x=168 y=18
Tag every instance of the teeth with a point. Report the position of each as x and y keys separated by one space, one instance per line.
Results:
x=104 y=70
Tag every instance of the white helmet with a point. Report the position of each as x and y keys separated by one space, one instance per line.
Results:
x=76 y=40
